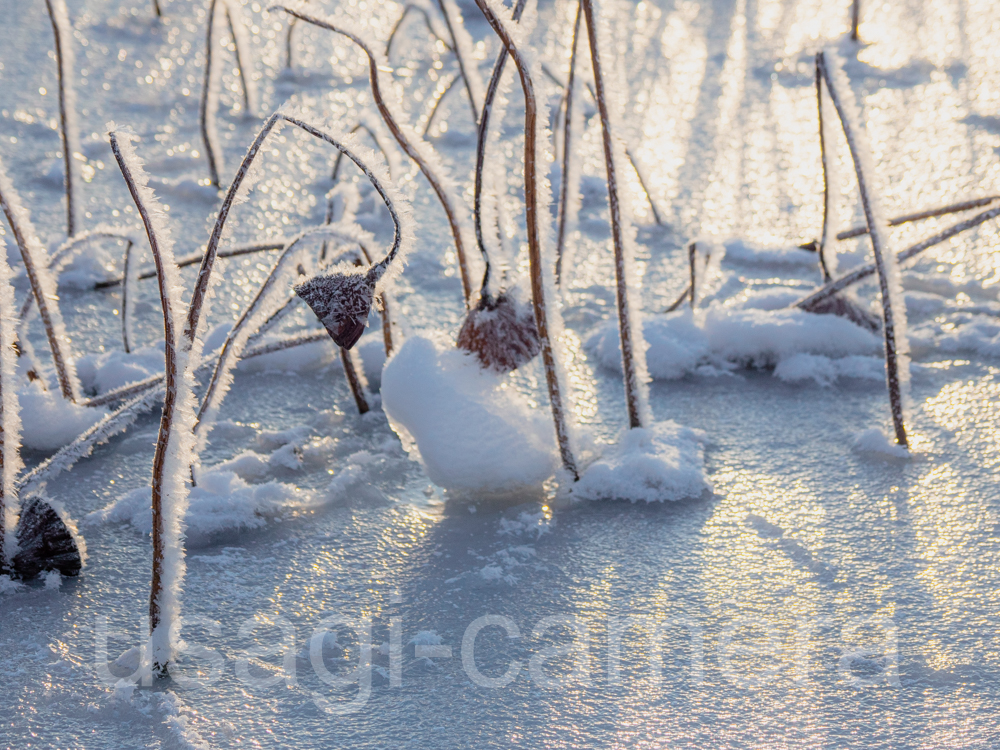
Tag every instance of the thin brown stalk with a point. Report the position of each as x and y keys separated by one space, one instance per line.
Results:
x=855 y=19
x=436 y=104
x=630 y=370
x=209 y=102
x=821 y=247
x=383 y=298
x=128 y=282
x=952 y=208
x=43 y=287
x=288 y=43
x=427 y=22
x=531 y=199
x=645 y=187
x=464 y=66
x=156 y=8
x=190 y=260
x=686 y=294
x=482 y=138
x=888 y=321
x=67 y=119
x=171 y=376
x=354 y=381
x=567 y=149
x=411 y=151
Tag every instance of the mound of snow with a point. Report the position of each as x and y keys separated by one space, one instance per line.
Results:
x=464 y=424
x=664 y=461
x=221 y=501
x=680 y=342
x=49 y=421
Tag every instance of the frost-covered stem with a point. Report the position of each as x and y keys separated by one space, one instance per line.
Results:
x=164 y=441
x=68 y=128
x=189 y=260
x=288 y=43
x=645 y=187
x=383 y=298
x=129 y=278
x=952 y=208
x=855 y=19
x=437 y=103
x=340 y=154
x=244 y=55
x=427 y=23
x=531 y=200
x=209 y=109
x=43 y=285
x=564 y=186
x=888 y=321
x=10 y=420
x=481 y=140
x=692 y=264
x=390 y=121
x=353 y=380
x=465 y=67
x=863 y=272
x=824 y=243
x=631 y=374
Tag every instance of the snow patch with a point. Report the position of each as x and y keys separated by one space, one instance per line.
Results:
x=662 y=462
x=50 y=421
x=873 y=440
x=467 y=426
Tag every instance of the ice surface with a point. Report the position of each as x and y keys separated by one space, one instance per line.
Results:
x=822 y=595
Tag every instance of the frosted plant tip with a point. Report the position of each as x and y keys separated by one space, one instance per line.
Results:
x=342 y=302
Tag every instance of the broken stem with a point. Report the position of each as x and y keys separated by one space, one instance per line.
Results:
x=952 y=208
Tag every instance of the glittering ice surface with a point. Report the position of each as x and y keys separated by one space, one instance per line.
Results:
x=826 y=594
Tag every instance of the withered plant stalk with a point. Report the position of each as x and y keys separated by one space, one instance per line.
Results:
x=531 y=199
x=631 y=375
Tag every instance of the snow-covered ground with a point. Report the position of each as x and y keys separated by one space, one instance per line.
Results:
x=826 y=591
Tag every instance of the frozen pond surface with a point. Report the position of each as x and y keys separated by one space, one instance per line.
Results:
x=821 y=597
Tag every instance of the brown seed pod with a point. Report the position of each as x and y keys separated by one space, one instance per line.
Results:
x=501 y=332
x=342 y=302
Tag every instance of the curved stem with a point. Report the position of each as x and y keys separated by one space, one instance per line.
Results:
x=482 y=136
x=399 y=22
x=170 y=368
x=43 y=286
x=243 y=57
x=437 y=104
x=436 y=184
x=531 y=199
x=823 y=248
x=460 y=59
x=211 y=249
x=209 y=105
x=631 y=375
